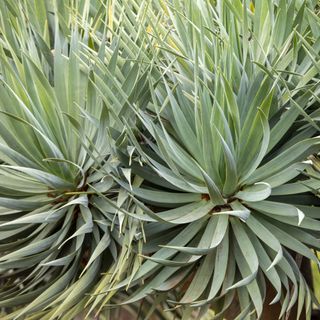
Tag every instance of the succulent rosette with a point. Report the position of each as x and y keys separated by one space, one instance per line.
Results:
x=223 y=150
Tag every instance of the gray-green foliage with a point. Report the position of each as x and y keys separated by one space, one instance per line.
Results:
x=231 y=121
x=63 y=220
x=158 y=147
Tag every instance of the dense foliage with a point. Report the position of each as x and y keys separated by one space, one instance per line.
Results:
x=163 y=151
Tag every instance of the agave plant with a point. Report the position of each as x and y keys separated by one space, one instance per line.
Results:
x=60 y=223
x=222 y=149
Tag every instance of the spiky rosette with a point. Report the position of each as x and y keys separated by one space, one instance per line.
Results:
x=182 y=133
x=62 y=215
x=222 y=151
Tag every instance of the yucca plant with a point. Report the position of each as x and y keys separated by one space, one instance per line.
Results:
x=62 y=234
x=184 y=133
x=223 y=148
